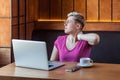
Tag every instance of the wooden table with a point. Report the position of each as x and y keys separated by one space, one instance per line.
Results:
x=100 y=71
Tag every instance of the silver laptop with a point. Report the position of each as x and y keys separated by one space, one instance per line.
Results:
x=32 y=54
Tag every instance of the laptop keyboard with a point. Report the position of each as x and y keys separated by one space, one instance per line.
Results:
x=50 y=64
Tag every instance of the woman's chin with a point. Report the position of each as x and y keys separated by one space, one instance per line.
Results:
x=66 y=32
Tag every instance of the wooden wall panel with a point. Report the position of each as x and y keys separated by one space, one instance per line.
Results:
x=56 y=25
x=116 y=10
x=5 y=8
x=90 y=26
x=21 y=19
x=4 y=22
x=27 y=13
x=14 y=20
x=29 y=30
x=55 y=9
x=14 y=8
x=67 y=6
x=14 y=28
x=18 y=19
x=102 y=26
x=27 y=10
x=102 y=11
x=22 y=31
x=105 y=10
x=14 y=12
x=30 y=10
x=44 y=9
x=15 y=32
x=92 y=10
x=80 y=6
x=5 y=32
x=22 y=7
x=36 y=10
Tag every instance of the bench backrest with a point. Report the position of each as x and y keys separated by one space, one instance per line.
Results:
x=107 y=51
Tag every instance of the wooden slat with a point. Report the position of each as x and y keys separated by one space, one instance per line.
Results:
x=36 y=10
x=105 y=10
x=22 y=31
x=30 y=10
x=116 y=10
x=14 y=32
x=92 y=10
x=55 y=9
x=44 y=9
x=90 y=26
x=14 y=20
x=22 y=20
x=80 y=6
x=5 y=32
x=29 y=29
x=5 y=8
x=27 y=10
x=67 y=6
x=22 y=7
x=14 y=8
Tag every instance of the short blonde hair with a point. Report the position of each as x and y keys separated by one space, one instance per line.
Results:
x=78 y=18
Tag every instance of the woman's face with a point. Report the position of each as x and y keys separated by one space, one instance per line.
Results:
x=70 y=25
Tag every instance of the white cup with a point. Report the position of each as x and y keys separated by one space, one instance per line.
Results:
x=86 y=62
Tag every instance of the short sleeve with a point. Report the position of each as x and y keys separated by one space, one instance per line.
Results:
x=56 y=42
x=60 y=41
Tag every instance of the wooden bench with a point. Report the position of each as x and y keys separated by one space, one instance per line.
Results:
x=107 y=51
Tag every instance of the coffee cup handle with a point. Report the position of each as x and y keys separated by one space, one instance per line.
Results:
x=91 y=61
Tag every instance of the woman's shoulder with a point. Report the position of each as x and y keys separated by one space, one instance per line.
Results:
x=62 y=37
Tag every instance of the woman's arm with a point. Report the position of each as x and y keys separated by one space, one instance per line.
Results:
x=92 y=38
x=54 y=55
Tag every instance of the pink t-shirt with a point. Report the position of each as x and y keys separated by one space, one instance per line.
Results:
x=82 y=49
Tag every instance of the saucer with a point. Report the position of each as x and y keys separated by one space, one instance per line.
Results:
x=85 y=65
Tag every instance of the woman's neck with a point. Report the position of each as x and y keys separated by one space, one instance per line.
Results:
x=73 y=37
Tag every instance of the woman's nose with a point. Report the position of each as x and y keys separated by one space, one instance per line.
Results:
x=65 y=24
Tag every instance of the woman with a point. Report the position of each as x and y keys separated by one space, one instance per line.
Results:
x=71 y=47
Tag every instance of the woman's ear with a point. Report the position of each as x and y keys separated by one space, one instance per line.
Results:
x=78 y=26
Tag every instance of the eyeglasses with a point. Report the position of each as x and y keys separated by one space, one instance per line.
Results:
x=68 y=21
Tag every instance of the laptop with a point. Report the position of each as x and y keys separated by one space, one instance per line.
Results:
x=32 y=54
